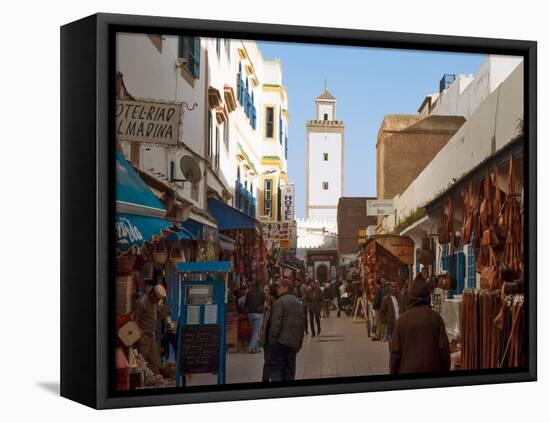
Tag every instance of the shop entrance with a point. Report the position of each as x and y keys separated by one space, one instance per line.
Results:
x=322 y=273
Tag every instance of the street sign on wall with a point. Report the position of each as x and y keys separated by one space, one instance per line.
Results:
x=287 y=203
x=145 y=121
x=380 y=207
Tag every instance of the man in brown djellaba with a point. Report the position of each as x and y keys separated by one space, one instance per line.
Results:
x=420 y=343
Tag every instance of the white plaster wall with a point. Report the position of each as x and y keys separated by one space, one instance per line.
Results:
x=150 y=74
x=501 y=67
x=497 y=116
x=331 y=213
x=319 y=233
x=223 y=71
x=272 y=72
x=329 y=171
x=465 y=95
x=328 y=109
x=147 y=73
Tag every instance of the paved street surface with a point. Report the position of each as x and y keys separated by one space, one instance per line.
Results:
x=343 y=349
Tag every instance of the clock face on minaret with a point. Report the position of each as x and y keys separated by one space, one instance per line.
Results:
x=324 y=159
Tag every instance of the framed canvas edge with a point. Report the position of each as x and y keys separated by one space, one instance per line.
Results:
x=105 y=191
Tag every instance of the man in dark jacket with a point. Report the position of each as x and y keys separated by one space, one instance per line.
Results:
x=314 y=300
x=392 y=307
x=300 y=293
x=420 y=343
x=286 y=333
x=381 y=292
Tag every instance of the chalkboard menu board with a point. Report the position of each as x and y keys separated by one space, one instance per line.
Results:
x=200 y=349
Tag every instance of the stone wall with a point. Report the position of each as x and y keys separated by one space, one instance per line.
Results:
x=352 y=216
x=405 y=146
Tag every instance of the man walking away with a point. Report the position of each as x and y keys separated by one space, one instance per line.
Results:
x=313 y=300
x=271 y=297
x=381 y=292
x=334 y=286
x=286 y=333
x=300 y=293
x=254 y=306
x=420 y=343
x=327 y=299
x=392 y=307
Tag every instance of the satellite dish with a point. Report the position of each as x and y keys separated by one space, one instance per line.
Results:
x=190 y=169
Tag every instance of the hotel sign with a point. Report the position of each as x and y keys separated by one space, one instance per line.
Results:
x=287 y=203
x=380 y=207
x=143 y=121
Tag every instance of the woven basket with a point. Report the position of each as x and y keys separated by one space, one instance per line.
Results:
x=125 y=264
x=124 y=294
x=160 y=254
x=176 y=256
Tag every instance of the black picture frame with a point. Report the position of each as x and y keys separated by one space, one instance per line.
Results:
x=88 y=206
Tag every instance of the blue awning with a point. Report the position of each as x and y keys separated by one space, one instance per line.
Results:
x=134 y=230
x=180 y=235
x=229 y=217
x=193 y=227
x=131 y=190
x=204 y=266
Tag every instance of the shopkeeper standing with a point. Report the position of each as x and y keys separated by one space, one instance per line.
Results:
x=254 y=306
x=147 y=312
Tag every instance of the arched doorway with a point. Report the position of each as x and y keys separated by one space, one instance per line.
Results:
x=322 y=273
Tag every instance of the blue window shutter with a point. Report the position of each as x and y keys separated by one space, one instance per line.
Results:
x=181 y=47
x=445 y=260
x=196 y=53
x=417 y=267
x=286 y=146
x=240 y=93
x=471 y=267
x=460 y=272
x=280 y=127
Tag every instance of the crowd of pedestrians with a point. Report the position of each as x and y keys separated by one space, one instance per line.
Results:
x=282 y=313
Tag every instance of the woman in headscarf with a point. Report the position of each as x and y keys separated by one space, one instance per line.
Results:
x=420 y=343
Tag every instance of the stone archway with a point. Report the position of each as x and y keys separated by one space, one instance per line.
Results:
x=321 y=273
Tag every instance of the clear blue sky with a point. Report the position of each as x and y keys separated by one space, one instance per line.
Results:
x=368 y=84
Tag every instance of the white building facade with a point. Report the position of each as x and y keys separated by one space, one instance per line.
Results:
x=324 y=160
x=463 y=94
x=234 y=125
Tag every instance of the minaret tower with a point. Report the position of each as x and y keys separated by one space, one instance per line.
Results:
x=324 y=159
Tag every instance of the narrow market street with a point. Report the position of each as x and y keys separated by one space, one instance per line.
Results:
x=228 y=229
x=343 y=349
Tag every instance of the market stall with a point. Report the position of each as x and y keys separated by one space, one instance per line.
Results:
x=147 y=245
x=245 y=248
x=481 y=238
